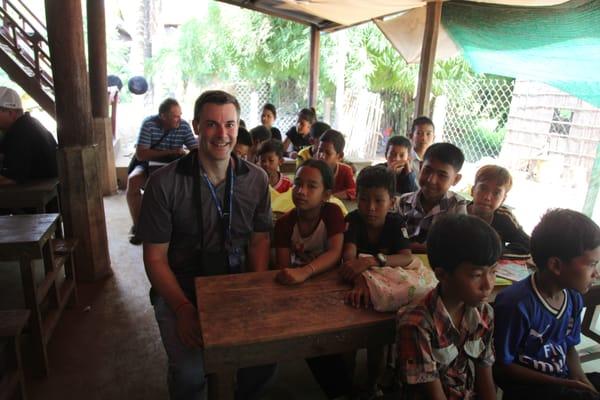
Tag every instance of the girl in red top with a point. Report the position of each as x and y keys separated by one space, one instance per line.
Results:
x=308 y=240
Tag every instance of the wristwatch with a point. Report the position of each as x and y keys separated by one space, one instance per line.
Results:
x=381 y=259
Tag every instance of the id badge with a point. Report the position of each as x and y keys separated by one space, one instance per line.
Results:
x=234 y=257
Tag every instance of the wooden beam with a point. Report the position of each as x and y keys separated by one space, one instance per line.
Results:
x=430 y=38
x=591 y=196
x=103 y=135
x=313 y=72
x=83 y=208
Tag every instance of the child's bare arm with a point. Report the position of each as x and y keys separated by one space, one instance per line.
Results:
x=575 y=370
x=282 y=257
x=484 y=383
x=519 y=374
x=349 y=252
x=418 y=248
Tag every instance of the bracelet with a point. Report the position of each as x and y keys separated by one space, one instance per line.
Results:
x=184 y=303
x=312 y=268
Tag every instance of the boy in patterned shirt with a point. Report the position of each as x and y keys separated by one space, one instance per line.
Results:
x=444 y=342
x=440 y=171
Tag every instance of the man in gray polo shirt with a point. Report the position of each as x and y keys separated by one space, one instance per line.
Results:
x=207 y=214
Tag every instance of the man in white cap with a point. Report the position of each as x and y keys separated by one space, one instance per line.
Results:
x=28 y=150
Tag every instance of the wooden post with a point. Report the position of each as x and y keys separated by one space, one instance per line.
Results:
x=83 y=208
x=99 y=92
x=594 y=186
x=430 y=37
x=313 y=73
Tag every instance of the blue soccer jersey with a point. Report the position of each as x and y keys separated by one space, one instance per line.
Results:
x=533 y=334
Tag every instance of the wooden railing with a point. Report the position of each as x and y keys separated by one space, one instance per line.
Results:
x=26 y=36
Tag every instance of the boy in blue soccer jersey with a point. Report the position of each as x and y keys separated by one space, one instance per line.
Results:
x=538 y=320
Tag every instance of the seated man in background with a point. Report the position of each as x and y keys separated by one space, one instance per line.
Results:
x=28 y=149
x=161 y=138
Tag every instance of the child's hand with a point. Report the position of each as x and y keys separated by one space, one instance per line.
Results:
x=359 y=296
x=397 y=166
x=293 y=276
x=575 y=384
x=352 y=268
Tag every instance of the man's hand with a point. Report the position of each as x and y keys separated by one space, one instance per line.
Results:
x=294 y=276
x=360 y=295
x=354 y=267
x=188 y=326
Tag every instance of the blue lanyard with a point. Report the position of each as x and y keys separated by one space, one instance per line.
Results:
x=228 y=213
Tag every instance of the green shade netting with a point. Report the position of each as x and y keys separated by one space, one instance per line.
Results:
x=558 y=45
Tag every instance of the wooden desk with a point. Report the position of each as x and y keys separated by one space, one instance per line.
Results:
x=288 y=167
x=27 y=238
x=41 y=195
x=249 y=319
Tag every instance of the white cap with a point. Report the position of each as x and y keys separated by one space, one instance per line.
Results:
x=10 y=99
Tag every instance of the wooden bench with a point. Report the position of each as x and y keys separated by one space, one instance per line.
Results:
x=12 y=384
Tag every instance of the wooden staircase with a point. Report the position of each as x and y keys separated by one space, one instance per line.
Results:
x=24 y=52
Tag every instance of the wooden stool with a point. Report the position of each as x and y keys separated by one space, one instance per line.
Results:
x=12 y=384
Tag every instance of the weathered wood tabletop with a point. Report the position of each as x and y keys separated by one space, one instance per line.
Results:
x=249 y=319
x=38 y=195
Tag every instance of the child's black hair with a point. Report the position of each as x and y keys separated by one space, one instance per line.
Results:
x=260 y=134
x=317 y=129
x=308 y=114
x=243 y=137
x=242 y=124
x=421 y=120
x=446 y=153
x=376 y=177
x=402 y=141
x=335 y=137
x=326 y=172
x=271 y=146
x=457 y=238
x=270 y=107
x=563 y=233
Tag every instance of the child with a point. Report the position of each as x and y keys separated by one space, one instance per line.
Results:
x=270 y=158
x=259 y=135
x=331 y=150
x=539 y=318
x=492 y=184
x=397 y=152
x=444 y=342
x=441 y=170
x=308 y=240
x=422 y=134
x=268 y=117
x=373 y=234
x=298 y=135
x=316 y=130
x=243 y=144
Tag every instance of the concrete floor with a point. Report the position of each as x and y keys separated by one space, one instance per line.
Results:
x=108 y=347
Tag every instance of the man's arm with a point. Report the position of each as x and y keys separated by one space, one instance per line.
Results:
x=147 y=154
x=163 y=281
x=259 y=251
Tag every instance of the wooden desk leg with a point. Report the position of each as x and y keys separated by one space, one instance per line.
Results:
x=35 y=319
x=221 y=386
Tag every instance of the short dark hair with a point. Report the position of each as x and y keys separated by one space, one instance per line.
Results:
x=376 y=177
x=456 y=238
x=271 y=146
x=326 y=172
x=242 y=123
x=308 y=114
x=421 y=120
x=270 y=107
x=166 y=105
x=397 y=141
x=243 y=137
x=317 y=129
x=215 y=97
x=563 y=233
x=335 y=137
x=446 y=153
x=260 y=133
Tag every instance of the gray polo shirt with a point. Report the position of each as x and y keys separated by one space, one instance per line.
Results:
x=169 y=215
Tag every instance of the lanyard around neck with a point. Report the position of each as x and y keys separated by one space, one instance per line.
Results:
x=227 y=212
